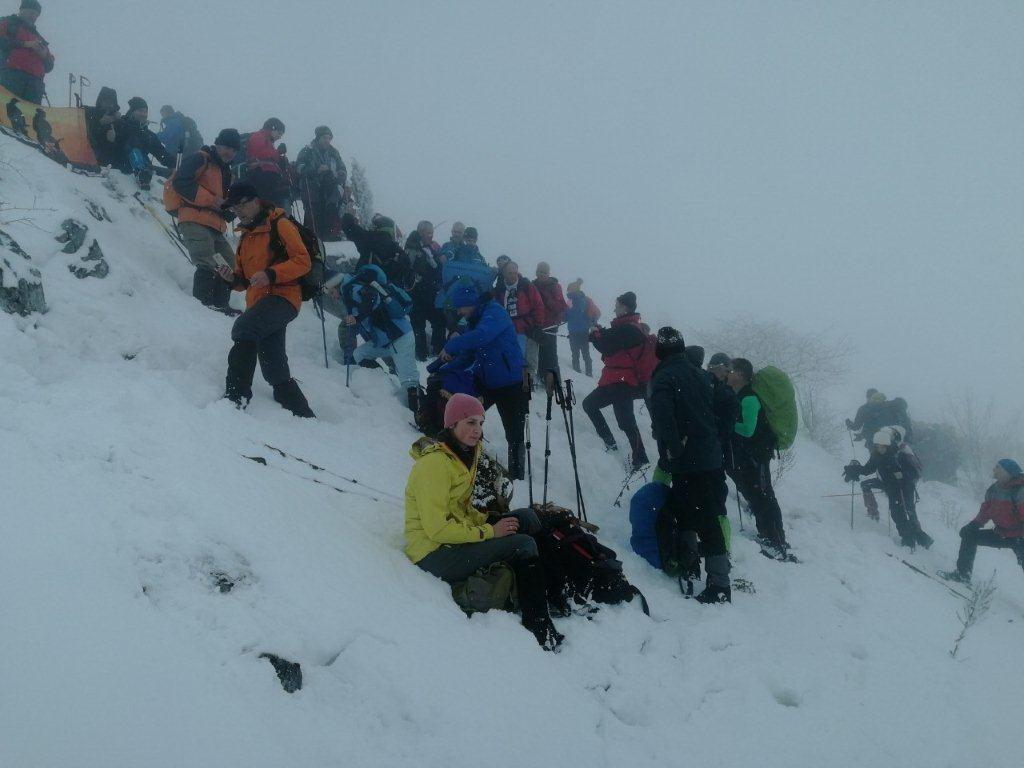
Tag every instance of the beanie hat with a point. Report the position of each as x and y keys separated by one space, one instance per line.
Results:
x=229 y=138
x=1013 y=469
x=323 y=130
x=670 y=342
x=884 y=436
x=471 y=234
x=465 y=295
x=384 y=224
x=32 y=5
x=240 y=190
x=695 y=355
x=628 y=300
x=720 y=360
x=461 y=407
x=273 y=124
x=137 y=102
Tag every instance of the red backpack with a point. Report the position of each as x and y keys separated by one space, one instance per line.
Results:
x=647 y=359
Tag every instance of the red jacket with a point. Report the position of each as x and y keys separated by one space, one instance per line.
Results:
x=261 y=148
x=1004 y=506
x=553 y=301
x=23 y=59
x=622 y=350
x=529 y=310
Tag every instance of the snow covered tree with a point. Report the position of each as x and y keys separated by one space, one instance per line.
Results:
x=362 y=194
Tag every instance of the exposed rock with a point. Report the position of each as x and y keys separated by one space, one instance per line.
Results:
x=288 y=672
x=72 y=235
x=91 y=265
x=98 y=212
x=21 y=284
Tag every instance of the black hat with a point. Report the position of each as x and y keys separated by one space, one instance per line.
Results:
x=719 y=360
x=31 y=5
x=240 y=190
x=323 y=130
x=695 y=355
x=628 y=300
x=670 y=342
x=137 y=102
x=471 y=234
x=229 y=138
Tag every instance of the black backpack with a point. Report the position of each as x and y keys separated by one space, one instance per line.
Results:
x=311 y=283
x=578 y=567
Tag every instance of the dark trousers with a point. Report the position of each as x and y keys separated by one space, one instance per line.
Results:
x=579 y=343
x=972 y=538
x=512 y=404
x=754 y=481
x=23 y=85
x=457 y=562
x=547 y=355
x=419 y=317
x=696 y=501
x=620 y=397
x=259 y=334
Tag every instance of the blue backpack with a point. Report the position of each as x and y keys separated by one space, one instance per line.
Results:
x=455 y=273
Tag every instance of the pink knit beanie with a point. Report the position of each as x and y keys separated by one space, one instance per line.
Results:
x=461 y=407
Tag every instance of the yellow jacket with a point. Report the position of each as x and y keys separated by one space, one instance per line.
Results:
x=437 y=501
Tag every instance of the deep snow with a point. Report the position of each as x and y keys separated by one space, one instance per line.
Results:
x=126 y=489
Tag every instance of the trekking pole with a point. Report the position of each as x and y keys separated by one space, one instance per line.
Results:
x=853 y=483
x=529 y=453
x=547 y=442
x=564 y=398
x=167 y=230
x=318 y=306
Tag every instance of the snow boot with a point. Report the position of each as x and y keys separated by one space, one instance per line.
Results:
x=291 y=398
x=714 y=594
x=533 y=603
x=924 y=540
x=957 y=576
x=370 y=364
x=413 y=394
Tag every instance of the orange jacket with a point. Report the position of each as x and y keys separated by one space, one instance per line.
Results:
x=200 y=181
x=254 y=255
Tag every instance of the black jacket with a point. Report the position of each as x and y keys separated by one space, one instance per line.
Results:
x=682 y=414
x=379 y=248
x=427 y=267
x=131 y=134
x=727 y=413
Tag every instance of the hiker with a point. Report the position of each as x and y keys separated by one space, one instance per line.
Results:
x=1004 y=508
x=379 y=246
x=727 y=407
x=899 y=471
x=523 y=303
x=553 y=309
x=273 y=298
x=425 y=257
x=455 y=240
x=25 y=53
x=470 y=250
x=446 y=537
x=264 y=163
x=753 y=446
x=491 y=337
x=683 y=421
x=178 y=134
x=870 y=418
x=379 y=311
x=201 y=184
x=581 y=316
x=627 y=369
x=101 y=122
x=322 y=179
x=134 y=143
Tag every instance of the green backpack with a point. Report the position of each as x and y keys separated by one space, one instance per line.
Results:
x=491 y=588
x=775 y=390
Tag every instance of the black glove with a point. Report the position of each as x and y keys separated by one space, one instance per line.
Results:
x=969 y=529
x=849 y=424
x=851 y=471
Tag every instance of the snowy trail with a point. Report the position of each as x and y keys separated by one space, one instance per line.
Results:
x=127 y=496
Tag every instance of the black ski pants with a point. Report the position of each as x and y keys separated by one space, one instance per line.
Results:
x=696 y=502
x=419 y=317
x=971 y=538
x=620 y=397
x=754 y=480
x=259 y=334
x=512 y=403
x=547 y=355
x=579 y=343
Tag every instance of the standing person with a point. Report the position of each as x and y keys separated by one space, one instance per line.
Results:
x=491 y=337
x=870 y=418
x=424 y=254
x=379 y=310
x=379 y=246
x=683 y=419
x=553 y=316
x=202 y=182
x=265 y=163
x=581 y=316
x=134 y=143
x=470 y=248
x=1004 y=507
x=519 y=297
x=727 y=407
x=446 y=537
x=899 y=471
x=455 y=240
x=179 y=134
x=26 y=54
x=753 y=446
x=269 y=275
x=322 y=181
x=623 y=380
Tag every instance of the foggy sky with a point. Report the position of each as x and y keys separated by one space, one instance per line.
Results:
x=850 y=165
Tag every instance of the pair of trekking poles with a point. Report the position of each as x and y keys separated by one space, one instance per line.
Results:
x=561 y=393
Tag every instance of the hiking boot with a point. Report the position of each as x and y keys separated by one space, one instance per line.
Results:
x=542 y=628
x=611 y=447
x=909 y=541
x=240 y=401
x=413 y=394
x=229 y=311
x=533 y=603
x=957 y=576
x=924 y=540
x=291 y=398
x=714 y=594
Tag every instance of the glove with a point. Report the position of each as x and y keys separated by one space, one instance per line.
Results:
x=849 y=424
x=969 y=529
x=851 y=471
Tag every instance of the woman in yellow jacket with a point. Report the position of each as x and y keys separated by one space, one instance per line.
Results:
x=449 y=539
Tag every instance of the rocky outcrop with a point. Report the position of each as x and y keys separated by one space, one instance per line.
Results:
x=21 y=284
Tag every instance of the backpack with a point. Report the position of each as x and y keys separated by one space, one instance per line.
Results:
x=647 y=360
x=676 y=557
x=593 y=313
x=490 y=588
x=173 y=202
x=776 y=393
x=578 y=566
x=311 y=283
x=240 y=165
x=193 y=139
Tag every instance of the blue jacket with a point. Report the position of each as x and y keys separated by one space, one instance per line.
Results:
x=458 y=376
x=464 y=252
x=643 y=517
x=380 y=320
x=492 y=338
x=576 y=318
x=172 y=133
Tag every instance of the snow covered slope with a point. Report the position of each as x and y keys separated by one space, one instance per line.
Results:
x=129 y=506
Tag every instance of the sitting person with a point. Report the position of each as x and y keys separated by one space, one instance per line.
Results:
x=1004 y=507
x=449 y=539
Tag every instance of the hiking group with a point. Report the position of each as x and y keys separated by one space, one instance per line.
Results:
x=490 y=337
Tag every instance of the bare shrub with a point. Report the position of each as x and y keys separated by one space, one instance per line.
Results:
x=984 y=438
x=974 y=610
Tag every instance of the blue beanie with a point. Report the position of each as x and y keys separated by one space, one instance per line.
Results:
x=1012 y=468
x=465 y=296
